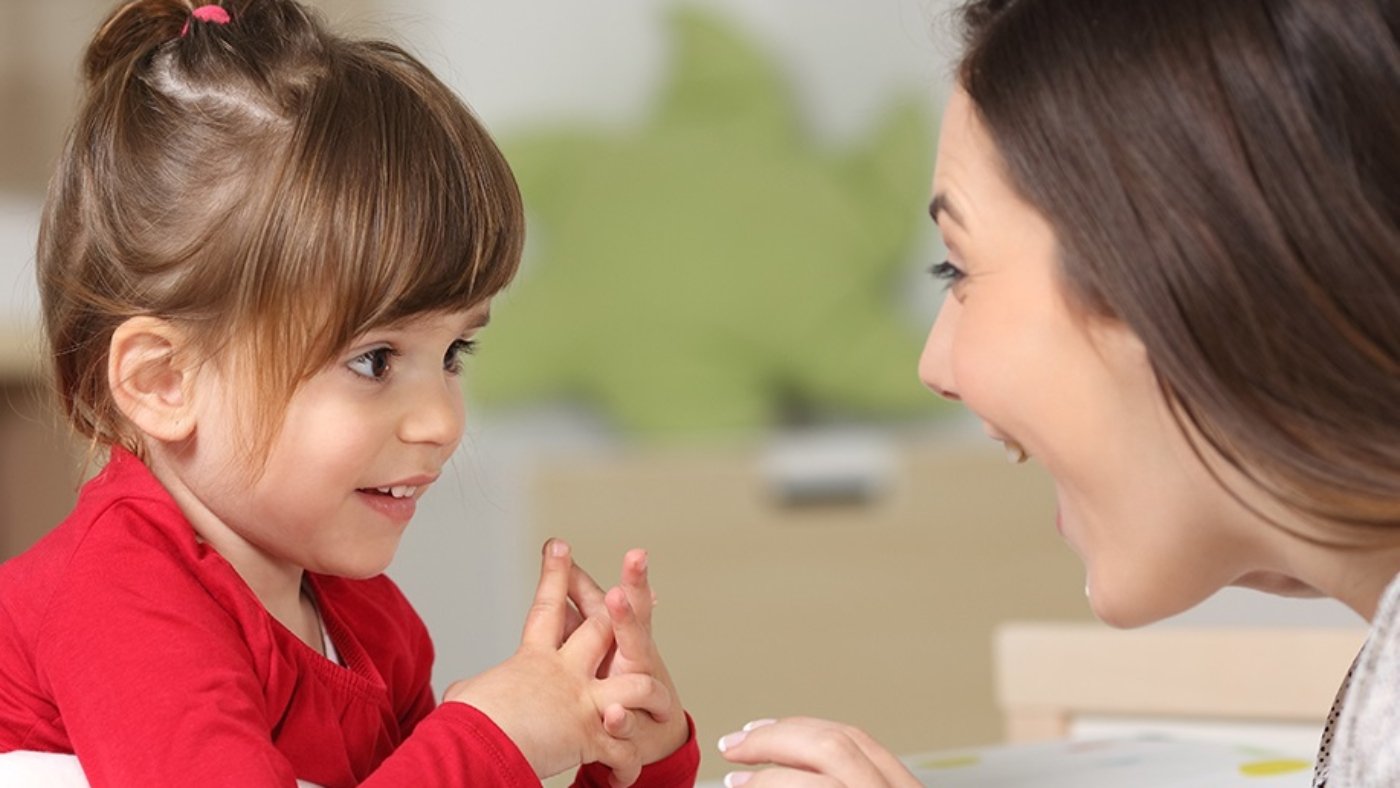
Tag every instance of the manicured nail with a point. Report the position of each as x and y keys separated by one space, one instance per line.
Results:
x=736 y=779
x=731 y=740
x=757 y=724
x=558 y=548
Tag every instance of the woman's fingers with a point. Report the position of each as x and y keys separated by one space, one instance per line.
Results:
x=781 y=778
x=845 y=754
x=544 y=624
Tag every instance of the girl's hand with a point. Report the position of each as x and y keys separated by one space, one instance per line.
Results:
x=629 y=607
x=549 y=697
x=810 y=752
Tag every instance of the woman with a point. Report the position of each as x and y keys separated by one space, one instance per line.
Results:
x=1174 y=268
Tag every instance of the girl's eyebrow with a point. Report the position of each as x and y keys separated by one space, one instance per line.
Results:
x=941 y=204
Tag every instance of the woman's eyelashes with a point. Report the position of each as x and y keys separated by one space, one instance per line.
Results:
x=947 y=273
x=376 y=364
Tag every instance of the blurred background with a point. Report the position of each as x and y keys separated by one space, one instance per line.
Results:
x=710 y=352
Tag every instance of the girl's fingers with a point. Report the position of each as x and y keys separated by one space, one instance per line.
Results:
x=840 y=752
x=585 y=592
x=633 y=639
x=637 y=583
x=635 y=692
x=544 y=624
x=572 y=620
x=620 y=756
x=618 y=722
x=589 y=645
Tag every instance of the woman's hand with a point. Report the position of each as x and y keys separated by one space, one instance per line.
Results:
x=629 y=606
x=811 y=753
x=550 y=697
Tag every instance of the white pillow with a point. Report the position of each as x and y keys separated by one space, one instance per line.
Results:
x=24 y=769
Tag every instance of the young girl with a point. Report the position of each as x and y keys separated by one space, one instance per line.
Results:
x=264 y=254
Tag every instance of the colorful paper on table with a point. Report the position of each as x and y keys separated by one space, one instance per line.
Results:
x=1141 y=763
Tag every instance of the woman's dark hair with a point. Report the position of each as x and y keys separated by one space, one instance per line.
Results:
x=1223 y=176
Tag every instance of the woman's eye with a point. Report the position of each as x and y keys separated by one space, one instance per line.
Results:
x=372 y=364
x=452 y=362
x=947 y=273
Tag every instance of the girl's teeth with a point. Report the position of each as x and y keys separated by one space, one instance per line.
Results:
x=398 y=491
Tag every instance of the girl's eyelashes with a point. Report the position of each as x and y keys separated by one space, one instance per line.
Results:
x=375 y=364
x=947 y=273
x=372 y=364
x=452 y=362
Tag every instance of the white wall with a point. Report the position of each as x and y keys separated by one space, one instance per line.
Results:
x=523 y=63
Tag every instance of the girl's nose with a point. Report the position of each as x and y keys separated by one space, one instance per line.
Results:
x=436 y=415
x=936 y=363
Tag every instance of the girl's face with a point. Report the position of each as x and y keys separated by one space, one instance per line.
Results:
x=361 y=441
x=1156 y=533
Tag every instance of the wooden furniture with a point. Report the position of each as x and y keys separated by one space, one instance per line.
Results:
x=1050 y=675
x=877 y=610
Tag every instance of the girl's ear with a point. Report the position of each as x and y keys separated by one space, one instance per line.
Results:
x=150 y=379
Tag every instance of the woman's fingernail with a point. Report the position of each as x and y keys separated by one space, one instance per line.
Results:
x=757 y=724
x=558 y=548
x=736 y=779
x=731 y=740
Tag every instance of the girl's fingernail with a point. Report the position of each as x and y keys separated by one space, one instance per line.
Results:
x=558 y=548
x=757 y=724
x=736 y=779
x=731 y=740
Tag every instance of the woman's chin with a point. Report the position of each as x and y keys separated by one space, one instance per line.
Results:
x=1129 y=607
x=1278 y=584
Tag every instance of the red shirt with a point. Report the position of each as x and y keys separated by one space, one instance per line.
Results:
x=127 y=641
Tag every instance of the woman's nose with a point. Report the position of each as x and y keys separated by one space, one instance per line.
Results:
x=936 y=363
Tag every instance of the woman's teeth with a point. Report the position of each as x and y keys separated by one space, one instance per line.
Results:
x=401 y=491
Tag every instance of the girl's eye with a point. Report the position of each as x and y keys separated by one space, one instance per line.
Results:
x=948 y=273
x=452 y=362
x=372 y=364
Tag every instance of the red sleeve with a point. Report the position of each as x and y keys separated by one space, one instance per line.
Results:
x=159 y=684
x=155 y=684
x=455 y=745
x=677 y=769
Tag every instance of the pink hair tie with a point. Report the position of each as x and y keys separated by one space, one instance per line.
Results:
x=206 y=13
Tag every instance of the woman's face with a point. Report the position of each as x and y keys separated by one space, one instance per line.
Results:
x=1156 y=532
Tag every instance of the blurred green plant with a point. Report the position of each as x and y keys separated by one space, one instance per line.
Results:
x=715 y=270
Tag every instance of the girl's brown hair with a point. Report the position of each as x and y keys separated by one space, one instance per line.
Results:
x=273 y=188
x=1224 y=177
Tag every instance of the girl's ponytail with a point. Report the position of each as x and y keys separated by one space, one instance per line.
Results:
x=131 y=34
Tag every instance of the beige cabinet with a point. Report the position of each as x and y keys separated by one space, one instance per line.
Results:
x=879 y=613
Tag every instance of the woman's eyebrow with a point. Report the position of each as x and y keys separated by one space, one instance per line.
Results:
x=941 y=204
